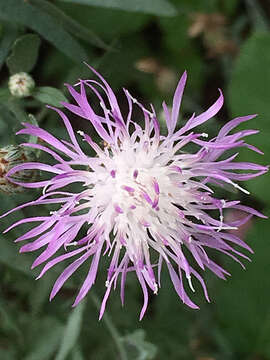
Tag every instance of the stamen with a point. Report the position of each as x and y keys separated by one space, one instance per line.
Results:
x=131 y=97
x=145 y=145
x=176 y=168
x=113 y=173
x=190 y=283
x=156 y=186
x=128 y=188
x=104 y=107
x=221 y=218
x=122 y=240
x=144 y=223
x=74 y=243
x=147 y=198
x=241 y=189
x=155 y=203
x=118 y=209
x=45 y=188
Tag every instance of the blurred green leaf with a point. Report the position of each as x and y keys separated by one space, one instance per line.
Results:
x=24 y=54
x=71 y=332
x=156 y=7
x=137 y=347
x=49 y=95
x=182 y=54
x=257 y=16
x=76 y=354
x=15 y=107
x=229 y=6
x=8 y=354
x=69 y=24
x=49 y=334
x=9 y=256
x=242 y=303
x=41 y=293
x=22 y=12
x=119 y=75
x=248 y=93
x=8 y=36
x=194 y=5
x=4 y=95
x=175 y=32
x=98 y=18
x=8 y=320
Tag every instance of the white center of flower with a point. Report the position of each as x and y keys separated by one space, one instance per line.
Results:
x=136 y=185
x=137 y=190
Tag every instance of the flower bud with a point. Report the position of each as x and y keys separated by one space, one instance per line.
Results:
x=21 y=85
x=10 y=156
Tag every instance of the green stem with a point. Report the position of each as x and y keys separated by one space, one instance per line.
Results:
x=112 y=329
x=41 y=115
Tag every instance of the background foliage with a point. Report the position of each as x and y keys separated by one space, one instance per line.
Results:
x=143 y=45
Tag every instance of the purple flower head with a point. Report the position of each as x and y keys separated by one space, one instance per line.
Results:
x=143 y=198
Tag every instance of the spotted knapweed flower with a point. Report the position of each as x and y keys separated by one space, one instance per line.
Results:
x=144 y=200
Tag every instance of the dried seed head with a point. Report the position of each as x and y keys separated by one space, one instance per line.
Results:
x=10 y=156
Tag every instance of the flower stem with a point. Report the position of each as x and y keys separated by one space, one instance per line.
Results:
x=112 y=329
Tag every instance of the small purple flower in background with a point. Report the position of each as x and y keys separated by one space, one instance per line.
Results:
x=144 y=200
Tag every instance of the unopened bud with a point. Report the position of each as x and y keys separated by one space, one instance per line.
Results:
x=21 y=85
x=10 y=156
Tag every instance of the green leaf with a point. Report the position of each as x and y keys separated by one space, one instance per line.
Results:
x=257 y=16
x=15 y=107
x=24 y=54
x=49 y=336
x=8 y=36
x=22 y=12
x=98 y=18
x=137 y=347
x=204 y=6
x=71 y=332
x=8 y=321
x=49 y=95
x=41 y=294
x=76 y=354
x=9 y=256
x=248 y=93
x=4 y=95
x=69 y=24
x=156 y=7
x=242 y=303
x=230 y=6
